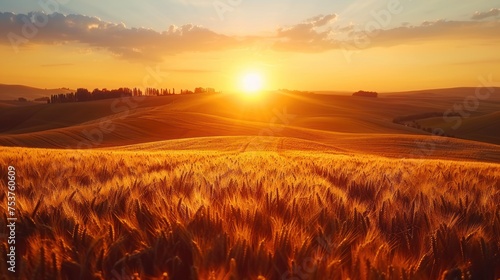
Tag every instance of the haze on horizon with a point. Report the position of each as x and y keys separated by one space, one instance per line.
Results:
x=383 y=45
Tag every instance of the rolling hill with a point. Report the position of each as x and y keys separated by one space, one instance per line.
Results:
x=460 y=92
x=222 y=186
x=13 y=92
x=485 y=127
x=349 y=124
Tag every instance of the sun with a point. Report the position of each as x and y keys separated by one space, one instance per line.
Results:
x=252 y=83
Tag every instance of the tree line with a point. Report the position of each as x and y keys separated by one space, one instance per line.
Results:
x=365 y=93
x=83 y=94
x=411 y=121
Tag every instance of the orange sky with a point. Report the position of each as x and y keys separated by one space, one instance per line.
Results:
x=315 y=53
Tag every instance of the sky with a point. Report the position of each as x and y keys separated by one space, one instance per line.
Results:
x=380 y=45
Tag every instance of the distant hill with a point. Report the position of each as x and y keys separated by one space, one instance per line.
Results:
x=460 y=92
x=357 y=125
x=13 y=92
x=332 y=92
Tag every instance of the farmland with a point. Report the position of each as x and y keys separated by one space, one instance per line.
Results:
x=256 y=214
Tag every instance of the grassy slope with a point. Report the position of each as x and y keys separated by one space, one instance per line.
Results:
x=480 y=127
x=13 y=92
x=361 y=125
x=395 y=146
x=460 y=92
x=483 y=124
x=229 y=205
x=237 y=215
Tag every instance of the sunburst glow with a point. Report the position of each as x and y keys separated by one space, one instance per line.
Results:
x=252 y=83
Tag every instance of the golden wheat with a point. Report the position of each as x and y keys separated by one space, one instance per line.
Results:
x=254 y=215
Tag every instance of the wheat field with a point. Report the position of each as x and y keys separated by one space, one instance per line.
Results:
x=89 y=214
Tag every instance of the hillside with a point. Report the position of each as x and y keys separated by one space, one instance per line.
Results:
x=13 y=92
x=221 y=186
x=460 y=92
x=361 y=125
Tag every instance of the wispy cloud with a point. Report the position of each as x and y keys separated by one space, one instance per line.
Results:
x=482 y=15
x=128 y=43
x=438 y=30
x=322 y=20
x=317 y=34
x=312 y=35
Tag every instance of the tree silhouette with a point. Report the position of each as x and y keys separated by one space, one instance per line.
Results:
x=365 y=93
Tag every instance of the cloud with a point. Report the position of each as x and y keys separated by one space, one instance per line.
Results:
x=347 y=28
x=304 y=37
x=316 y=34
x=322 y=20
x=482 y=15
x=437 y=30
x=311 y=35
x=123 y=42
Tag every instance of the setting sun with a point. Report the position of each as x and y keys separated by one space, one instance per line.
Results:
x=230 y=139
x=251 y=83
